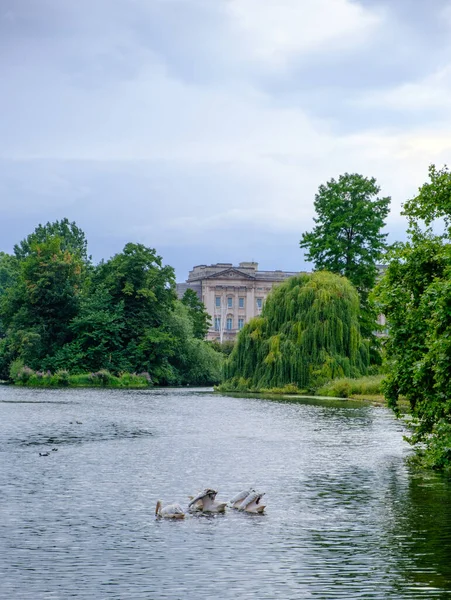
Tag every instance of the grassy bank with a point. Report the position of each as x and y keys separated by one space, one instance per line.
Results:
x=364 y=388
x=29 y=378
x=350 y=388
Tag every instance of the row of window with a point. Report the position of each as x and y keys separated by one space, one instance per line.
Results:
x=229 y=323
x=241 y=300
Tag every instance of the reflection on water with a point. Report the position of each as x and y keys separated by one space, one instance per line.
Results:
x=345 y=517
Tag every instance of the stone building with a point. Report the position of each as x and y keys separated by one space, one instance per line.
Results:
x=231 y=295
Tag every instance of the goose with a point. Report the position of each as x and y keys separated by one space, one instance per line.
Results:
x=206 y=501
x=252 y=504
x=171 y=511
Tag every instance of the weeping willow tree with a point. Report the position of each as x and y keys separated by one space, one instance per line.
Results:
x=308 y=333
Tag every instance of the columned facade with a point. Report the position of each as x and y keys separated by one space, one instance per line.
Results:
x=231 y=295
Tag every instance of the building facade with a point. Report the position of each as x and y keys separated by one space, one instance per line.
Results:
x=231 y=295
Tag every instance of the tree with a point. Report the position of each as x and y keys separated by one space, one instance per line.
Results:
x=415 y=296
x=137 y=279
x=199 y=316
x=194 y=360
x=9 y=270
x=347 y=238
x=307 y=334
x=72 y=239
x=97 y=336
x=37 y=310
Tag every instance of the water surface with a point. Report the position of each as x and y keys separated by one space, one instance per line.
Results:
x=345 y=517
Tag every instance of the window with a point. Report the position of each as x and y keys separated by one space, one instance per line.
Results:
x=217 y=323
x=259 y=302
x=229 y=323
x=240 y=302
x=240 y=323
x=229 y=302
x=218 y=301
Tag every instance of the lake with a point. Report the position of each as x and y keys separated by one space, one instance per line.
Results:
x=345 y=517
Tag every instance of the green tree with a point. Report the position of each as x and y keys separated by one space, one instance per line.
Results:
x=199 y=316
x=37 y=310
x=9 y=270
x=347 y=238
x=137 y=279
x=193 y=359
x=415 y=295
x=307 y=334
x=97 y=336
x=72 y=239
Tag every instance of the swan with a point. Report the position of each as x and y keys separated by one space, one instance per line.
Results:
x=206 y=501
x=251 y=503
x=171 y=511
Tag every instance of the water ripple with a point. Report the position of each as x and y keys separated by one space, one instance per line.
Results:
x=345 y=517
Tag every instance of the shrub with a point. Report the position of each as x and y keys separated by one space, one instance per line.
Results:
x=62 y=377
x=20 y=373
x=102 y=377
x=346 y=387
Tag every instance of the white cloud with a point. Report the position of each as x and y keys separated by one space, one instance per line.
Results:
x=202 y=157
x=430 y=93
x=276 y=30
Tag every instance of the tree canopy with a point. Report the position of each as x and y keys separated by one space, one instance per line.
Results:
x=347 y=238
x=308 y=333
x=199 y=316
x=59 y=312
x=72 y=239
x=415 y=296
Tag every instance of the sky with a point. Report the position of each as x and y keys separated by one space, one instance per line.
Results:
x=203 y=128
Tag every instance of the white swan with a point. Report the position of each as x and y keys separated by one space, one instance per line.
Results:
x=251 y=502
x=171 y=511
x=206 y=502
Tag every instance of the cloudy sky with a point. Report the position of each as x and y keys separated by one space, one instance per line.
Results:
x=203 y=128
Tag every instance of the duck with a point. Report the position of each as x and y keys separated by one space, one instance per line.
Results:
x=206 y=502
x=44 y=453
x=251 y=503
x=171 y=511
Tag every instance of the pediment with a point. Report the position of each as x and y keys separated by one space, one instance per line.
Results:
x=230 y=274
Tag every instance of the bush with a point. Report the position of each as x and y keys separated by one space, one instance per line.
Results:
x=346 y=387
x=62 y=377
x=14 y=369
x=20 y=373
x=102 y=377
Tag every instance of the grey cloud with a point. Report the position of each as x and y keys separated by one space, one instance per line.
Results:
x=167 y=79
x=115 y=203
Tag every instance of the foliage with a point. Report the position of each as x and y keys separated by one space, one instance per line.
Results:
x=72 y=239
x=61 y=317
x=307 y=334
x=37 y=310
x=415 y=295
x=195 y=361
x=347 y=238
x=346 y=387
x=143 y=288
x=225 y=347
x=23 y=375
x=199 y=316
x=9 y=270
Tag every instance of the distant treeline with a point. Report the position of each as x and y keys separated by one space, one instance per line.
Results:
x=60 y=314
